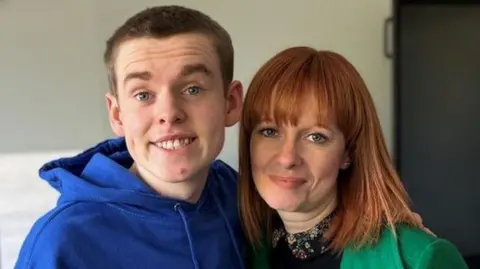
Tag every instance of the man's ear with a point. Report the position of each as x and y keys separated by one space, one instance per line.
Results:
x=234 y=103
x=114 y=114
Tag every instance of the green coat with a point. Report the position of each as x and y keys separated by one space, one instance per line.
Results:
x=415 y=249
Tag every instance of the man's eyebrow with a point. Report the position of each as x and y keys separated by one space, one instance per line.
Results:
x=195 y=68
x=145 y=75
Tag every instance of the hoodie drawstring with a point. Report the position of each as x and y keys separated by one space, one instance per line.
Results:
x=230 y=230
x=192 y=250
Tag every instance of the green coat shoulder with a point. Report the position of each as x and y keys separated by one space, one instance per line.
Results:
x=412 y=248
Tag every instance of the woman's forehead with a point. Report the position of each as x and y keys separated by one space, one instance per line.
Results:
x=304 y=116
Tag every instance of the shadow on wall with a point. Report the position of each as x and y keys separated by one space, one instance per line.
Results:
x=473 y=262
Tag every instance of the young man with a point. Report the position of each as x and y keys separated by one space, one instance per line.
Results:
x=155 y=198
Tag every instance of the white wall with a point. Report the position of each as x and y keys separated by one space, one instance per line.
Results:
x=52 y=79
x=50 y=92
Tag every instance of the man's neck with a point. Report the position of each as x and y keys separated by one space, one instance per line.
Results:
x=296 y=222
x=188 y=190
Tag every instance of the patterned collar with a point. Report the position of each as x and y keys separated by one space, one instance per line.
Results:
x=305 y=244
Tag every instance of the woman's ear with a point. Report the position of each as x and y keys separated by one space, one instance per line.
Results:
x=346 y=162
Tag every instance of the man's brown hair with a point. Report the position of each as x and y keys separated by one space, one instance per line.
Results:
x=165 y=21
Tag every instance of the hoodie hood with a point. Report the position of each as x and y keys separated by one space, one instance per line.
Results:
x=101 y=174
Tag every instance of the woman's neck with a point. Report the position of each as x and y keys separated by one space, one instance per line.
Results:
x=297 y=222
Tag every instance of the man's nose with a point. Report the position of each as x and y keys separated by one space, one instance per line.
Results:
x=170 y=109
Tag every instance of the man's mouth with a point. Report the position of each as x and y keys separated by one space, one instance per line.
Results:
x=174 y=144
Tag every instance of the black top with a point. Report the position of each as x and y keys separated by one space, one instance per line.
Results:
x=303 y=250
x=283 y=258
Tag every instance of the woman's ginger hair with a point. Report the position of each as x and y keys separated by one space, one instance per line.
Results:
x=370 y=193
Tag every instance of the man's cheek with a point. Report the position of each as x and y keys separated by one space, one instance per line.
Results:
x=134 y=125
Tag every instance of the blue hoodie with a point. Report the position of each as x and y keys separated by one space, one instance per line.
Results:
x=107 y=218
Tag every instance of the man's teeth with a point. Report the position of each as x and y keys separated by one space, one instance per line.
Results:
x=175 y=144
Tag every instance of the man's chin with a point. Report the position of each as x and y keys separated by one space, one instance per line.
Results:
x=175 y=174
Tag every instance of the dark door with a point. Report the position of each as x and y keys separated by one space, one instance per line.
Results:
x=437 y=80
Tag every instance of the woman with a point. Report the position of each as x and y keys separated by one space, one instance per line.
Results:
x=317 y=186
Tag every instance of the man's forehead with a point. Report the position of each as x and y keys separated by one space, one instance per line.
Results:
x=186 y=71
x=152 y=55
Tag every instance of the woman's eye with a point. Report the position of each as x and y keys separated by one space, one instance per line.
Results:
x=143 y=96
x=192 y=90
x=317 y=138
x=268 y=132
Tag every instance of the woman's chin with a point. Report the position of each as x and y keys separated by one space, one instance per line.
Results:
x=283 y=204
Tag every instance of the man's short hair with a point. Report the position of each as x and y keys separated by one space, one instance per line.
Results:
x=165 y=21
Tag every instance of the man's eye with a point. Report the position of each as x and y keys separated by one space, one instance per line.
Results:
x=193 y=90
x=143 y=96
x=268 y=132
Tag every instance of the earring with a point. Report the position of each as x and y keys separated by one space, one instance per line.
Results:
x=345 y=165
